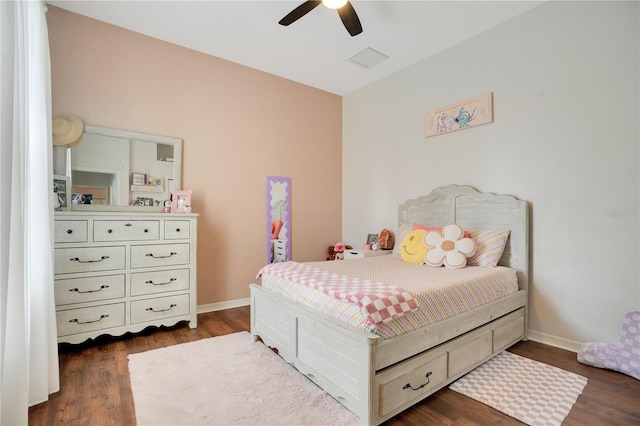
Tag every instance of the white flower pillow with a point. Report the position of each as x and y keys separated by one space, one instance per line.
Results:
x=450 y=248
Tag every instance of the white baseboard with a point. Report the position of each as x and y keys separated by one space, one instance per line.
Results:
x=551 y=340
x=212 y=307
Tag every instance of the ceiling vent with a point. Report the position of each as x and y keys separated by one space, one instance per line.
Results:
x=368 y=58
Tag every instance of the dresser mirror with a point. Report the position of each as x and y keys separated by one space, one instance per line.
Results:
x=121 y=170
x=278 y=219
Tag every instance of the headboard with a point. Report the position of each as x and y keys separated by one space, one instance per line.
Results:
x=471 y=209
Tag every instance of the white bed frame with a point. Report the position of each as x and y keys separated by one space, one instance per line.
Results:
x=377 y=378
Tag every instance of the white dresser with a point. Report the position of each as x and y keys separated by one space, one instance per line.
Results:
x=122 y=272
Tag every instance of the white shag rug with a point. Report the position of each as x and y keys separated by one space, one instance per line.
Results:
x=227 y=380
x=534 y=393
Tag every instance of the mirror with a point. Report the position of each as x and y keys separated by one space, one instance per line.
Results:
x=278 y=219
x=116 y=169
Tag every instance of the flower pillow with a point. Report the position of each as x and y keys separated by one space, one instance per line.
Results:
x=450 y=248
x=490 y=244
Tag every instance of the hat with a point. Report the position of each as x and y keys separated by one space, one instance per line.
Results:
x=67 y=130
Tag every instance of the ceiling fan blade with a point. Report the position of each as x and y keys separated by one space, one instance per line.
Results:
x=299 y=12
x=350 y=19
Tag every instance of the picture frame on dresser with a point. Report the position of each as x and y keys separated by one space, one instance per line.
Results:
x=61 y=191
x=180 y=200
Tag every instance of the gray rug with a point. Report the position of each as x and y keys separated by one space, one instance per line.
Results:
x=227 y=380
x=534 y=393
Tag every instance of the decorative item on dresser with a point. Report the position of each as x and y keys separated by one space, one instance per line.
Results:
x=118 y=272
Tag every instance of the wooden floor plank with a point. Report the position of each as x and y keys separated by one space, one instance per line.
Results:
x=95 y=388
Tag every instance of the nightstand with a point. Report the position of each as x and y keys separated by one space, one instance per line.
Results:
x=361 y=254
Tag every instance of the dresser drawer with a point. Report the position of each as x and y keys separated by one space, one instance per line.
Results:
x=177 y=229
x=158 y=308
x=410 y=381
x=126 y=230
x=143 y=256
x=82 y=320
x=70 y=231
x=159 y=282
x=78 y=290
x=88 y=259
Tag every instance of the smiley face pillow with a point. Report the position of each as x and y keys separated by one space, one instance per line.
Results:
x=413 y=248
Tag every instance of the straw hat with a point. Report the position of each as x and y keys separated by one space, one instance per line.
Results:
x=67 y=130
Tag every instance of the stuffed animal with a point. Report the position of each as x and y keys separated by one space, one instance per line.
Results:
x=339 y=248
x=623 y=356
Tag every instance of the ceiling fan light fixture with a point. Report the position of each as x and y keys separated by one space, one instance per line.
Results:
x=334 y=4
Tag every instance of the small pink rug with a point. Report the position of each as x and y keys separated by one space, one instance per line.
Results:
x=227 y=380
x=534 y=393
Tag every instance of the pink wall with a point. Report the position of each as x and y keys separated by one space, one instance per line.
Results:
x=238 y=126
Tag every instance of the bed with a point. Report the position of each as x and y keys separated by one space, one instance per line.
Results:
x=377 y=376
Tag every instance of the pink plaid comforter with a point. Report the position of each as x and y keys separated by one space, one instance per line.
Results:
x=380 y=302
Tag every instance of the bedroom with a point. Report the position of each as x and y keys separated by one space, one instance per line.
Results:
x=546 y=146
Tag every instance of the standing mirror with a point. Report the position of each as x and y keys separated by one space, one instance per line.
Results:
x=112 y=169
x=278 y=219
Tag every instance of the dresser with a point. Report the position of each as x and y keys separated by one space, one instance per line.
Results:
x=123 y=272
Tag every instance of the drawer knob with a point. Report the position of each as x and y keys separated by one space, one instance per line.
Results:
x=161 y=257
x=173 y=305
x=177 y=229
x=408 y=385
x=69 y=231
x=76 y=259
x=128 y=224
x=102 y=287
x=146 y=230
x=89 y=322
x=109 y=231
x=165 y=283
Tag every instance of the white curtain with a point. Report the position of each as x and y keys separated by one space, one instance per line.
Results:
x=28 y=352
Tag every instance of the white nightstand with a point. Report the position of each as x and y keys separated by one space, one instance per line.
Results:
x=361 y=254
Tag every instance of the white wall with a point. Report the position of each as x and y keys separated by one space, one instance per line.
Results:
x=565 y=138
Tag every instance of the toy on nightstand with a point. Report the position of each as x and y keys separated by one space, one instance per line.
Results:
x=336 y=252
x=623 y=356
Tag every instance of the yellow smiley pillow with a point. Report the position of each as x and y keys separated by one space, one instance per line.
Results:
x=413 y=248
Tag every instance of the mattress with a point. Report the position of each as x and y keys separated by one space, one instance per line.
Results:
x=440 y=293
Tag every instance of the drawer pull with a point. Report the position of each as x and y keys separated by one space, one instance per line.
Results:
x=161 y=257
x=177 y=229
x=89 y=322
x=69 y=231
x=102 y=287
x=165 y=283
x=408 y=385
x=128 y=224
x=109 y=231
x=173 y=305
x=76 y=259
x=146 y=230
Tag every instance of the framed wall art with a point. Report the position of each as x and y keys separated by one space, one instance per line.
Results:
x=181 y=201
x=459 y=116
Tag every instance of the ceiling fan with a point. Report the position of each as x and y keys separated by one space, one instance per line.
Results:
x=345 y=10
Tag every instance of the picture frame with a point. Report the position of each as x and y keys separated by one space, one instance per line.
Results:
x=181 y=201
x=61 y=191
x=462 y=115
x=372 y=239
x=138 y=179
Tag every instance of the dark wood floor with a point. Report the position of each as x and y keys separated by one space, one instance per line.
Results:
x=95 y=388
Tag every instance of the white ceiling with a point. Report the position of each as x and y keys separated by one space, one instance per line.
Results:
x=314 y=50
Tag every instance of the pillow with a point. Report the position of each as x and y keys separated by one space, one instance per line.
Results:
x=412 y=247
x=450 y=248
x=490 y=245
